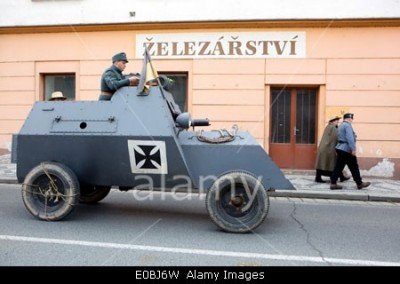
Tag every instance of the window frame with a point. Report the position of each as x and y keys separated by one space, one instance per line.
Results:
x=43 y=82
x=186 y=98
x=59 y=67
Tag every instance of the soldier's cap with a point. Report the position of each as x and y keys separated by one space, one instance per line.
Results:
x=57 y=95
x=348 y=115
x=333 y=118
x=120 y=57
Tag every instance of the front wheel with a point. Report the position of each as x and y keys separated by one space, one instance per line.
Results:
x=50 y=191
x=237 y=202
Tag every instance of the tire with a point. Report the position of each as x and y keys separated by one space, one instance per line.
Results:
x=47 y=201
x=91 y=194
x=237 y=202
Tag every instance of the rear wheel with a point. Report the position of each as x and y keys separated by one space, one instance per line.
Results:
x=50 y=191
x=92 y=193
x=237 y=202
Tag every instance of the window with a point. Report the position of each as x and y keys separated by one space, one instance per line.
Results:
x=280 y=115
x=64 y=83
x=293 y=115
x=306 y=106
x=178 y=89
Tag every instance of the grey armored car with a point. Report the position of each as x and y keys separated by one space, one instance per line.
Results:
x=73 y=152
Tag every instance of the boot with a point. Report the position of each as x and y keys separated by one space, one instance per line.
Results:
x=318 y=177
x=363 y=184
x=334 y=186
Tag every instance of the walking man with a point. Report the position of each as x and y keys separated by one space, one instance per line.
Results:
x=346 y=154
x=326 y=154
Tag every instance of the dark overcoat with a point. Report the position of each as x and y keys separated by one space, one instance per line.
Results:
x=326 y=154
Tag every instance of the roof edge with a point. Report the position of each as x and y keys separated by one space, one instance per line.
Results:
x=253 y=24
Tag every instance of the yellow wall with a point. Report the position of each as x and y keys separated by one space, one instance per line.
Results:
x=357 y=69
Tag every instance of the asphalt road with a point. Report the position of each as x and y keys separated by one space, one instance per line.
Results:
x=160 y=230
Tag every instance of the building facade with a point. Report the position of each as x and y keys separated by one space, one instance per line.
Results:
x=279 y=77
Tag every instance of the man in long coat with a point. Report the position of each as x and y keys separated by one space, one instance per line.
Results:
x=326 y=154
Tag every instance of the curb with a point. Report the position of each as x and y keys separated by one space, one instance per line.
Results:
x=337 y=196
x=8 y=180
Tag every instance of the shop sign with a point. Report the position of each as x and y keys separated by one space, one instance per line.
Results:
x=223 y=45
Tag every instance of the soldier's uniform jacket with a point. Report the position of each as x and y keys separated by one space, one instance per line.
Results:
x=113 y=79
x=346 y=138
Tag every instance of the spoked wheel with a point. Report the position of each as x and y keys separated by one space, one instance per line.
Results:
x=50 y=191
x=237 y=202
x=92 y=193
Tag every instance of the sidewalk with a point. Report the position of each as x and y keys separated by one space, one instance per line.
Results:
x=381 y=189
x=7 y=170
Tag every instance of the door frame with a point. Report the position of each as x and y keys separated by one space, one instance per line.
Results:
x=319 y=112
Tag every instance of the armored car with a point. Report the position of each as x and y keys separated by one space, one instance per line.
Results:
x=74 y=152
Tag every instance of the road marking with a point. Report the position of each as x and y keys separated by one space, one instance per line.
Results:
x=329 y=260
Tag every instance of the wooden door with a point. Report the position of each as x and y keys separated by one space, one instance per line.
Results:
x=293 y=127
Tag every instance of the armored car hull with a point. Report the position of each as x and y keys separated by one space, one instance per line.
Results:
x=71 y=152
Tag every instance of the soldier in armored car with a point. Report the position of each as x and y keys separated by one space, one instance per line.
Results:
x=113 y=79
